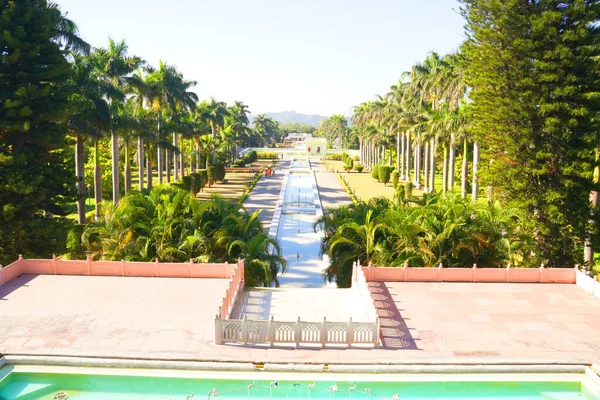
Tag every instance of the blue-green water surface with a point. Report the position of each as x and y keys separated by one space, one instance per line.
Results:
x=33 y=386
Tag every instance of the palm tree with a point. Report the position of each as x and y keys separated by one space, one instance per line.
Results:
x=214 y=112
x=90 y=120
x=116 y=68
x=238 y=122
x=167 y=92
x=67 y=32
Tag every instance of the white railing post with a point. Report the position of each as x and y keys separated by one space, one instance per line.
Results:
x=298 y=332
x=349 y=333
x=245 y=330
x=376 y=333
x=271 y=331
x=324 y=332
x=218 y=330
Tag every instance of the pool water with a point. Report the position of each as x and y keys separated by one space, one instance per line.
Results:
x=32 y=386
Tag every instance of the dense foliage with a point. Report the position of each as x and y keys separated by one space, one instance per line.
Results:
x=34 y=105
x=448 y=230
x=516 y=106
x=171 y=225
x=535 y=99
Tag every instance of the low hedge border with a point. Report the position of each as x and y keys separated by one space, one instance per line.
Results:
x=348 y=190
x=252 y=184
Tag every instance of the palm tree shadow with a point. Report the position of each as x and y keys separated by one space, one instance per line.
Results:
x=393 y=329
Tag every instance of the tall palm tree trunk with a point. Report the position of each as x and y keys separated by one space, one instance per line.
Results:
x=415 y=161
x=475 y=186
x=175 y=157
x=97 y=180
x=141 y=160
x=168 y=164
x=159 y=157
x=452 y=161
x=197 y=156
x=80 y=173
x=127 y=172
x=417 y=173
x=149 y=174
x=407 y=156
x=182 y=158
x=432 y=149
x=400 y=166
x=465 y=173
x=426 y=187
x=445 y=168
x=214 y=136
x=115 y=166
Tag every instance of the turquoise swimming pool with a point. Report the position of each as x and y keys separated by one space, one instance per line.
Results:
x=24 y=383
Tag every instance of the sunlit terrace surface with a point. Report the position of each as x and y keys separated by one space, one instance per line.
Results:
x=173 y=318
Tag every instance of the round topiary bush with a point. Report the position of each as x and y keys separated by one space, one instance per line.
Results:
x=408 y=188
x=384 y=174
x=359 y=168
x=395 y=179
x=375 y=172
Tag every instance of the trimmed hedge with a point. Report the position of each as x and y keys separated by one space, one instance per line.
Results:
x=384 y=173
x=267 y=155
x=219 y=171
x=395 y=179
x=375 y=172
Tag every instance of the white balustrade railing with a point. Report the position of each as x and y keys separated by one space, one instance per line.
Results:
x=271 y=332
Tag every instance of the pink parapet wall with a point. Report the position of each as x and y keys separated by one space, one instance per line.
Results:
x=440 y=274
x=121 y=268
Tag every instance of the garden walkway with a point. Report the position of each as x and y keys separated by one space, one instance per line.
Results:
x=265 y=193
x=331 y=191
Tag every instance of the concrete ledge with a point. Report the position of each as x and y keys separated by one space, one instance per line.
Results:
x=588 y=283
x=493 y=275
x=432 y=367
x=128 y=363
x=404 y=366
x=88 y=267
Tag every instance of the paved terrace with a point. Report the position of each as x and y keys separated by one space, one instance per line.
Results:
x=173 y=318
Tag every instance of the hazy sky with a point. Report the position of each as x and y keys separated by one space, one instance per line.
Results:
x=311 y=56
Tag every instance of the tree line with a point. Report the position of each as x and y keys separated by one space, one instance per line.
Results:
x=516 y=106
x=65 y=105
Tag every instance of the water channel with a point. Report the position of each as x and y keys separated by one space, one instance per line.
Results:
x=300 y=243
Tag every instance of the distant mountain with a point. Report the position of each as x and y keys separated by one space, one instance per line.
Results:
x=283 y=117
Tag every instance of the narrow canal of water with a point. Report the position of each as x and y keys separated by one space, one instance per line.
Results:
x=300 y=243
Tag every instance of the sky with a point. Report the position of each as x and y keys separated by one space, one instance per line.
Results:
x=311 y=56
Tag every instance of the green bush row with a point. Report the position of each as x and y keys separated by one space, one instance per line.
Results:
x=267 y=155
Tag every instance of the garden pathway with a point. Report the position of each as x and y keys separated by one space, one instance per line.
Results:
x=264 y=195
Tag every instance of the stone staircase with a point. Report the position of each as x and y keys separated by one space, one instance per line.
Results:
x=310 y=304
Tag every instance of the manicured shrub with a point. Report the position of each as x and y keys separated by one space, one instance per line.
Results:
x=210 y=175
x=359 y=167
x=267 y=155
x=219 y=171
x=252 y=156
x=349 y=165
x=200 y=180
x=335 y=157
x=375 y=172
x=408 y=188
x=384 y=173
x=400 y=194
x=395 y=179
